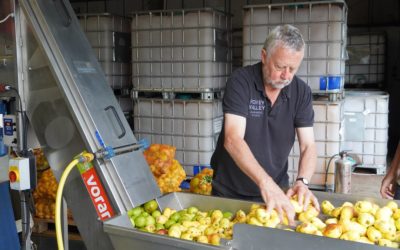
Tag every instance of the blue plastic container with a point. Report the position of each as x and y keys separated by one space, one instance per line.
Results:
x=330 y=82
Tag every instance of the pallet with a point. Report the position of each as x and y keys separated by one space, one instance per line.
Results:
x=178 y=94
x=330 y=95
x=47 y=227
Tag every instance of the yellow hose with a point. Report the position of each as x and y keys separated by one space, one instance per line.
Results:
x=84 y=157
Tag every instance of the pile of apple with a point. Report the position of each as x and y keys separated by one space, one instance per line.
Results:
x=363 y=221
x=189 y=224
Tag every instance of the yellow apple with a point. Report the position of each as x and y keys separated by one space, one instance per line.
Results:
x=346 y=213
x=347 y=203
x=350 y=235
x=327 y=207
x=240 y=216
x=373 y=234
x=353 y=226
x=392 y=205
x=331 y=221
x=262 y=215
x=297 y=207
x=318 y=223
x=272 y=222
x=307 y=228
x=384 y=243
x=336 y=212
x=384 y=226
x=364 y=239
x=366 y=219
x=202 y=239
x=383 y=213
x=333 y=230
x=390 y=236
x=363 y=206
x=375 y=208
x=254 y=221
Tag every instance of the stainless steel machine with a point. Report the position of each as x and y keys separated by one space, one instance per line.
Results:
x=71 y=108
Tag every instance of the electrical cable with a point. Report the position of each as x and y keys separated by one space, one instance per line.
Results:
x=8 y=16
x=327 y=170
x=84 y=157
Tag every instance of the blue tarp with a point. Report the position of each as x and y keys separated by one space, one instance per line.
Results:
x=8 y=231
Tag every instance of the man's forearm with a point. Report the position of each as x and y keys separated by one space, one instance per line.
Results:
x=308 y=161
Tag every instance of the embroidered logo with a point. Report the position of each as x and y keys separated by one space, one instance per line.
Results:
x=256 y=107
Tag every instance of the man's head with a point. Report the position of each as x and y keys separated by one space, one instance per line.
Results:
x=281 y=56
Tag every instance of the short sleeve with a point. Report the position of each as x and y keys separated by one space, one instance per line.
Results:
x=236 y=96
x=304 y=111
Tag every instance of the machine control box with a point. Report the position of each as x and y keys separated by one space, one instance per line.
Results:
x=10 y=130
x=19 y=174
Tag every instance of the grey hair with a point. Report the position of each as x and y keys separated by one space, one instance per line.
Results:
x=287 y=36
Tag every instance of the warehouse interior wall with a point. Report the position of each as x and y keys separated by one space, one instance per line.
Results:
x=363 y=16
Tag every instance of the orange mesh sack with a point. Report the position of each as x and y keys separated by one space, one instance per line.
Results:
x=166 y=169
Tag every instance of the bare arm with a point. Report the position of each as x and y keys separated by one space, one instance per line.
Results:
x=307 y=165
x=389 y=182
x=273 y=196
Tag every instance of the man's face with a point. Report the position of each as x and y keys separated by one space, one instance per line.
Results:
x=281 y=65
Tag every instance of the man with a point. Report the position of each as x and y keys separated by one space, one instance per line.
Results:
x=264 y=105
x=390 y=184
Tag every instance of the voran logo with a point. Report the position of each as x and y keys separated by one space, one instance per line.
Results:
x=97 y=194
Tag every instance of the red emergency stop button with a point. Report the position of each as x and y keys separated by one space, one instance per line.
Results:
x=13 y=176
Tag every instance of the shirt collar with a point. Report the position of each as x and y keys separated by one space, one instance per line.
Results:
x=259 y=82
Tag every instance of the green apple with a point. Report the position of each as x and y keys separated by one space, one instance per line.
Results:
x=140 y=221
x=134 y=212
x=150 y=206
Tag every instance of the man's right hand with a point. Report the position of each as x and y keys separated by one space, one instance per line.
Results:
x=275 y=198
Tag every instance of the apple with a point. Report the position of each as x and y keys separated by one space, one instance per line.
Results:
x=134 y=212
x=392 y=205
x=150 y=206
x=346 y=213
x=186 y=236
x=366 y=219
x=262 y=215
x=373 y=234
x=162 y=219
x=254 y=221
x=336 y=212
x=348 y=204
x=327 y=207
x=202 y=239
x=331 y=221
x=140 y=221
x=228 y=215
x=385 y=226
x=156 y=213
x=333 y=231
x=272 y=222
x=307 y=228
x=150 y=220
x=240 y=216
x=383 y=213
x=217 y=214
x=384 y=243
x=192 y=210
x=214 y=239
x=389 y=236
x=167 y=212
x=297 y=207
x=396 y=214
x=364 y=239
x=363 y=206
x=350 y=235
x=318 y=223
x=162 y=231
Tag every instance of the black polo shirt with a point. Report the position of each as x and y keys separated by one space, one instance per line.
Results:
x=270 y=131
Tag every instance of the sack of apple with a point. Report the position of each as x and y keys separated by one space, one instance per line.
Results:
x=201 y=183
x=166 y=169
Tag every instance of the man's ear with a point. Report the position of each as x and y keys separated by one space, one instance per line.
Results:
x=263 y=56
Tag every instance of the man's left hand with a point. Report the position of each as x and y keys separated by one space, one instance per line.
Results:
x=304 y=195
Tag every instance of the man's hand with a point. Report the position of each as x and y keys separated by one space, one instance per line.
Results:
x=276 y=199
x=304 y=195
x=388 y=185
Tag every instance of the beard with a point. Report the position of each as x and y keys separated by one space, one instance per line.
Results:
x=278 y=84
